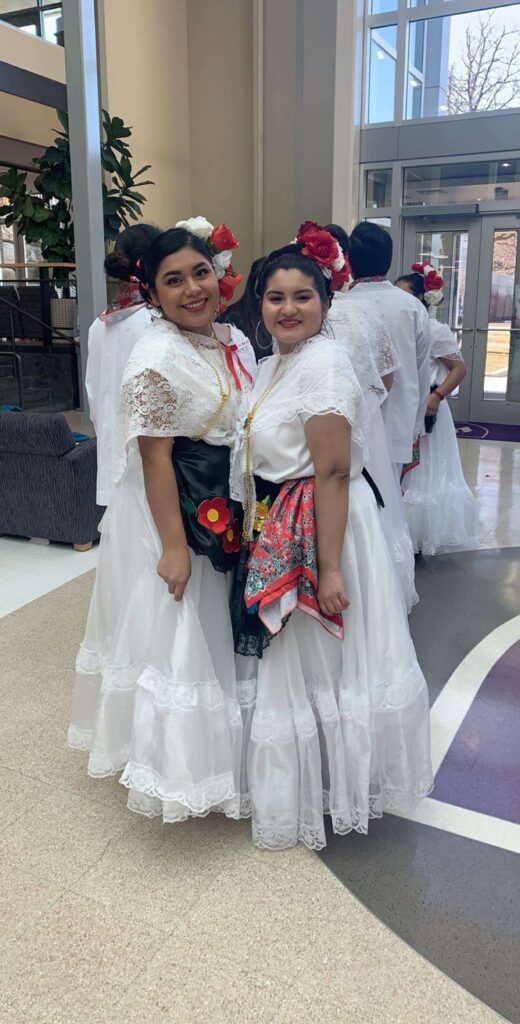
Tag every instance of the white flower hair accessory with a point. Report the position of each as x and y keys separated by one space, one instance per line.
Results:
x=198 y=226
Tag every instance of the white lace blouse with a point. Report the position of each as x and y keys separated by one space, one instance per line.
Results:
x=365 y=328
x=170 y=388
x=315 y=379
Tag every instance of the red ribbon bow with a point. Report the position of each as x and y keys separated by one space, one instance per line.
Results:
x=231 y=351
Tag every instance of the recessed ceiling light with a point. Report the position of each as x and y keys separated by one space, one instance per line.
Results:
x=414 y=83
x=506 y=164
x=380 y=54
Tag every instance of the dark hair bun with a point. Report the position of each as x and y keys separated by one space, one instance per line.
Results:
x=118 y=265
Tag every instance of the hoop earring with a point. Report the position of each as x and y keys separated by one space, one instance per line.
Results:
x=156 y=312
x=263 y=348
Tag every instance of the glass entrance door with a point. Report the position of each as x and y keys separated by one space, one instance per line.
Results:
x=479 y=258
x=495 y=383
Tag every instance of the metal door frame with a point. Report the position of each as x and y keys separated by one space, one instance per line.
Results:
x=460 y=406
x=489 y=410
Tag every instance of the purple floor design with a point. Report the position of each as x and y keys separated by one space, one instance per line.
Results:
x=481 y=770
x=488 y=431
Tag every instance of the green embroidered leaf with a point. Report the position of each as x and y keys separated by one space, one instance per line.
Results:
x=188 y=505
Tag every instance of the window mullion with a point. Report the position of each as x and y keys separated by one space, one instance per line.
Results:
x=401 y=69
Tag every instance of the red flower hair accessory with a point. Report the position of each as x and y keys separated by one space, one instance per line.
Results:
x=321 y=247
x=433 y=282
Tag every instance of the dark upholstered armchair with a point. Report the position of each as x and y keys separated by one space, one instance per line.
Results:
x=47 y=481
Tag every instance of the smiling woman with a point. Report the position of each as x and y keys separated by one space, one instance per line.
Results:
x=178 y=279
x=341 y=720
x=156 y=691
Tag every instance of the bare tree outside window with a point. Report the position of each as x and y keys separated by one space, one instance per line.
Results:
x=486 y=75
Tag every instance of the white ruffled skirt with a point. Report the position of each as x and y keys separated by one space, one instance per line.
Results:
x=156 y=692
x=441 y=511
x=341 y=727
x=317 y=726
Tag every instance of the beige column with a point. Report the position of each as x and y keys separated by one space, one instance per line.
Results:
x=309 y=157
x=220 y=48
x=144 y=79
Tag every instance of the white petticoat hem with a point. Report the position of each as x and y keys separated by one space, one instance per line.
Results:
x=149 y=797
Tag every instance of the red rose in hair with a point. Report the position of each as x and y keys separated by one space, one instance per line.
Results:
x=433 y=282
x=222 y=238
x=321 y=247
x=418 y=268
x=229 y=282
x=309 y=227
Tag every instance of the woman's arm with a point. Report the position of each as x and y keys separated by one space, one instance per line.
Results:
x=328 y=438
x=457 y=373
x=174 y=566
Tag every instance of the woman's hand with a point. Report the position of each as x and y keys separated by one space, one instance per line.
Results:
x=432 y=406
x=174 y=568
x=332 y=594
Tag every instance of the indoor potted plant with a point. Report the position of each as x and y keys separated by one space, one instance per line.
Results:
x=45 y=215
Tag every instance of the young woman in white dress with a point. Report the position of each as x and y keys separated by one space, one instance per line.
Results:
x=375 y=360
x=156 y=690
x=440 y=508
x=341 y=720
x=111 y=339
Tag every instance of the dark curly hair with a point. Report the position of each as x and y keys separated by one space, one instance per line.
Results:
x=130 y=246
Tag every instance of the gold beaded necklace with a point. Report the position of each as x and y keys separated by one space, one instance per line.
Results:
x=224 y=388
x=248 y=488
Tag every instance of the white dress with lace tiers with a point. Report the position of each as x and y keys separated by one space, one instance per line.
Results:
x=156 y=696
x=340 y=727
x=441 y=511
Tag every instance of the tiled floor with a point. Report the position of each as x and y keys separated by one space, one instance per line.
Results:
x=29 y=570
x=110 y=918
x=492 y=470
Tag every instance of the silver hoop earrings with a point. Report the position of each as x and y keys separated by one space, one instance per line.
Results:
x=263 y=348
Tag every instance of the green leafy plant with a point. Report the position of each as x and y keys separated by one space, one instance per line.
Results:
x=45 y=215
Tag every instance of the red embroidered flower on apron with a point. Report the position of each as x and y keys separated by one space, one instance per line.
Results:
x=214 y=514
x=231 y=538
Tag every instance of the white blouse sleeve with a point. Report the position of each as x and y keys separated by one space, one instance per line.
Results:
x=150 y=405
x=444 y=342
x=328 y=384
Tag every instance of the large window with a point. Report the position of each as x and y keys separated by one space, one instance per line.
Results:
x=426 y=65
x=464 y=63
x=378 y=188
x=36 y=17
x=382 y=6
x=480 y=182
x=381 y=75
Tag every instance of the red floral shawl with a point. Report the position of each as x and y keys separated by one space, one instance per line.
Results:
x=282 y=568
